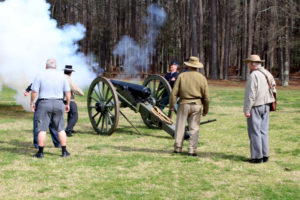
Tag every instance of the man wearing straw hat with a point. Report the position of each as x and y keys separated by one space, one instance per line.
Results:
x=192 y=89
x=258 y=97
x=75 y=90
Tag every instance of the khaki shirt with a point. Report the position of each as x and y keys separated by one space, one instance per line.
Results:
x=191 y=87
x=75 y=90
x=257 y=90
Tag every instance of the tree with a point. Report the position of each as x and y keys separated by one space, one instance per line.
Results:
x=214 y=40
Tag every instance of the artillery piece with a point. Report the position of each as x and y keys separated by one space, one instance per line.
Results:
x=106 y=97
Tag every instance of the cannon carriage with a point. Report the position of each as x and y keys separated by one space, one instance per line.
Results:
x=107 y=97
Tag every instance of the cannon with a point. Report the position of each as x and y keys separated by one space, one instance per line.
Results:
x=106 y=97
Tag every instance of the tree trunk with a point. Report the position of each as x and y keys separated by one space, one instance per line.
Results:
x=250 y=32
x=214 y=41
x=193 y=22
x=286 y=52
x=244 y=45
x=201 y=41
x=226 y=44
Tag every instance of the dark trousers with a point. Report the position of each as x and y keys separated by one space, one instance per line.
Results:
x=53 y=132
x=72 y=117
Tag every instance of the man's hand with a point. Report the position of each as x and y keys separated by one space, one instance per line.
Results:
x=204 y=114
x=67 y=108
x=247 y=115
x=173 y=79
x=26 y=93
x=32 y=107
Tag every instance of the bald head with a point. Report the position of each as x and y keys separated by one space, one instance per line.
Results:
x=51 y=63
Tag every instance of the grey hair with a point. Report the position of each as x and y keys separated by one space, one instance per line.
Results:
x=50 y=63
x=256 y=64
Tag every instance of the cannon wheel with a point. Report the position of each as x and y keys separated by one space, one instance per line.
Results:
x=160 y=92
x=103 y=106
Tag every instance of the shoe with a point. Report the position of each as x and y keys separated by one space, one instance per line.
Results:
x=65 y=154
x=69 y=134
x=38 y=155
x=57 y=146
x=255 y=161
x=265 y=159
x=73 y=131
x=192 y=154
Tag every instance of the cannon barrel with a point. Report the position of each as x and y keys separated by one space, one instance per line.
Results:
x=133 y=93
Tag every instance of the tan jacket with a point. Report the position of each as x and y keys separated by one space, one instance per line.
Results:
x=75 y=90
x=191 y=86
x=257 y=90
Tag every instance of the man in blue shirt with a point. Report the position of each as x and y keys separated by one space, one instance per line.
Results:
x=172 y=75
x=50 y=87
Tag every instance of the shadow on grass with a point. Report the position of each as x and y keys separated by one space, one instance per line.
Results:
x=20 y=147
x=212 y=155
x=128 y=130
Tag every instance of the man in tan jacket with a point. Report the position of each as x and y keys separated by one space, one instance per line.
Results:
x=192 y=89
x=75 y=90
x=258 y=97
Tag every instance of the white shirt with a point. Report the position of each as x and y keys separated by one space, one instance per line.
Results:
x=50 y=84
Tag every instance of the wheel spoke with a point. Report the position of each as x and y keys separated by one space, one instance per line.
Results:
x=95 y=115
x=102 y=125
x=109 y=99
x=100 y=93
x=106 y=122
x=94 y=99
x=96 y=94
x=107 y=91
x=99 y=119
x=160 y=94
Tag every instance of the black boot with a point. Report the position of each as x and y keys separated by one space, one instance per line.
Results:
x=40 y=153
x=69 y=134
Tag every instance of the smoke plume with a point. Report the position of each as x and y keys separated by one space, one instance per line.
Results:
x=138 y=56
x=28 y=37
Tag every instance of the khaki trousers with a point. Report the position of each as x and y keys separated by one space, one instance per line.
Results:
x=190 y=112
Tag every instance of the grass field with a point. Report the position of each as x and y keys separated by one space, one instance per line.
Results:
x=126 y=165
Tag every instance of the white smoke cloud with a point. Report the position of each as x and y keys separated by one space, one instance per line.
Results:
x=28 y=37
x=135 y=56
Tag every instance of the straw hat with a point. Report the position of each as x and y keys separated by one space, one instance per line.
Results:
x=254 y=58
x=194 y=62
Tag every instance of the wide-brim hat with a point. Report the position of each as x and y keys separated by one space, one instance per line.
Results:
x=194 y=62
x=254 y=58
x=68 y=68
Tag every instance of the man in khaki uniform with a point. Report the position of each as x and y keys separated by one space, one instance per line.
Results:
x=192 y=89
x=258 y=97
x=75 y=90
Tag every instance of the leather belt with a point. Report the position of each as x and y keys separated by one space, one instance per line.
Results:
x=41 y=99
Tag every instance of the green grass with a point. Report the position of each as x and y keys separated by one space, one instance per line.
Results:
x=126 y=165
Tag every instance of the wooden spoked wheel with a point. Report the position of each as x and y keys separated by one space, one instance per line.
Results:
x=103 y=106
x=160 y=93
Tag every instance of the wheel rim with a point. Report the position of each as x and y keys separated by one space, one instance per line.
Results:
x=160 y=92
x=103 y=106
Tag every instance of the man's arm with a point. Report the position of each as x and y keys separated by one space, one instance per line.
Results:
x=68 y=98
x=205 y=99
x=75 y=89
x=28 y=89
x=32 y=98
x=250 y=95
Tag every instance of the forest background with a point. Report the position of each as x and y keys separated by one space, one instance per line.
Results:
x=221 y=33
